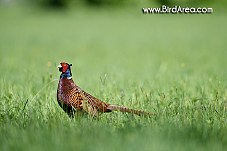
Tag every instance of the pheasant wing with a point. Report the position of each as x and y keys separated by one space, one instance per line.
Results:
x=95 y=102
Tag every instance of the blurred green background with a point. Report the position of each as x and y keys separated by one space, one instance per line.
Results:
x=171 y=65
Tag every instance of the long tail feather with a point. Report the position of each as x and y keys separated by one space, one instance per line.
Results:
x=113 y=107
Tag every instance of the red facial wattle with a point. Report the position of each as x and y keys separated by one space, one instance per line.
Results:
x=65 y=66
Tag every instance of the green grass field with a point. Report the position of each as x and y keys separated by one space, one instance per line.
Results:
x=171 y=65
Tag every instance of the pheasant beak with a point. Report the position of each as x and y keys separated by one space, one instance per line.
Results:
x=59 y=66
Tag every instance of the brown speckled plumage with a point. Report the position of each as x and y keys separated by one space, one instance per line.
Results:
x=72 y=98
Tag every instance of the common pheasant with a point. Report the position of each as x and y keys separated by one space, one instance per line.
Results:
x=72 y=98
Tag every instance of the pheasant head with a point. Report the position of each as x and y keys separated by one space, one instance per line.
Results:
x=65 y=70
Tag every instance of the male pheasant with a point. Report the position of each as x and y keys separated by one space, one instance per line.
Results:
x=72 y=98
